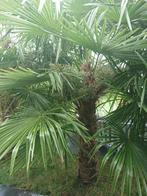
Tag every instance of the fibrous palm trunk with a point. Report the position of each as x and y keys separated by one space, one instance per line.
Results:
x=87 y=165
x=87 y=115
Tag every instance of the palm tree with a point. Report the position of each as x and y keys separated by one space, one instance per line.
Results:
x=52 y=97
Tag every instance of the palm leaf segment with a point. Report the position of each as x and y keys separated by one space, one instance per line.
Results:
x=127 y=154
x=103 y=39
x=16 y=79
x=126 y=131
x=50 y=128
x=40 y=123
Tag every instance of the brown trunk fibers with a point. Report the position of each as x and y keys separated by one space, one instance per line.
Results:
x=87 y=165
x=87 y=115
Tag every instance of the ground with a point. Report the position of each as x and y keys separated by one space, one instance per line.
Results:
x=56 y=181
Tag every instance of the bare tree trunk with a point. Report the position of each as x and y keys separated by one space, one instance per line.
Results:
x=87 y=165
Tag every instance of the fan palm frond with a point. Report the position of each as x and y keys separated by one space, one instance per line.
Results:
x=99 y=39
x=51 y=127
x=126 y=129
x=16 y=79
x=128 y=159
x=125 y=132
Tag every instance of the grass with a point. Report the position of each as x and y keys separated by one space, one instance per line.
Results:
x=56 y=181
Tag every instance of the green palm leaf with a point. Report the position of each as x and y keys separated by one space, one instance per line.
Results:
x=50 y=128
x=98 y=39
x=15 y=79
x=128 y=159
x=21 y=78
